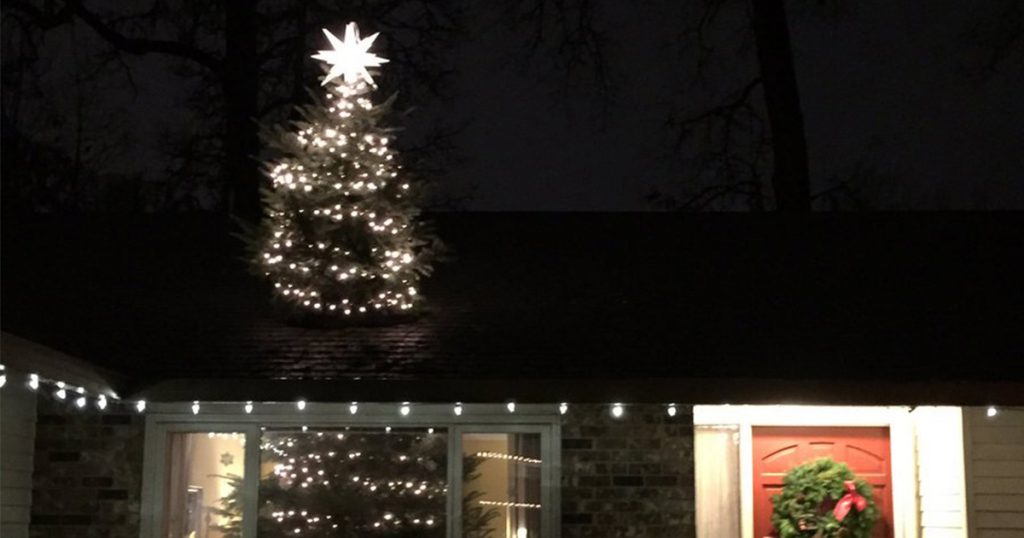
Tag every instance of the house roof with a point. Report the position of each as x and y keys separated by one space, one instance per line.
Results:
x=548 y=306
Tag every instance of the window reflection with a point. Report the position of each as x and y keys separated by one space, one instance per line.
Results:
x=502 y=485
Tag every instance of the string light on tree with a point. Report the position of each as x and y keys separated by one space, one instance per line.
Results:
x=342 y=235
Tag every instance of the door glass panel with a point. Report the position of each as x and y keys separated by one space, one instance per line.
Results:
x=501 y=485
x=203 y=485
x=353 y=482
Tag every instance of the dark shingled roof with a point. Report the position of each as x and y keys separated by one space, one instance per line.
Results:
x=540 y=303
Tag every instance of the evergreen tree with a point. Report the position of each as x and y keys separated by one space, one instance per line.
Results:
x=356 y=483
x=341 y=234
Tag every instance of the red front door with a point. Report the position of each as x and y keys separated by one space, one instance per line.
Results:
x=778 y=449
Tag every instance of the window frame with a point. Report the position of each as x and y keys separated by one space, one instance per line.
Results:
x=163 y=419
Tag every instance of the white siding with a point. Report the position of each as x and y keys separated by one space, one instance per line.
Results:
x=940 y=472
x=17 y=443
x=995 y=471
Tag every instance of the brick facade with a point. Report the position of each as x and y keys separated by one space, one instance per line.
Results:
x=87 y=481
x=625 y=477
x=628 y=476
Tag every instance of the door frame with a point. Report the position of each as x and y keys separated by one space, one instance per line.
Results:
x=903 y=470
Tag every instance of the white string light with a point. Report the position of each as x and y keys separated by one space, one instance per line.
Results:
x=353 y=408
x=140 y=406
x=563 y=408
x=508 y=504
x=991 y=411
x=300 y=405
x=511 y=406
x=404 y=409
x=101 y=402
x=248 y=407
x=33 y=381
x=617 y=410
x=61 y=393
x=457 y=409
x=195 y=407
x=3 y=376
x=508 y=457
x=671 y=410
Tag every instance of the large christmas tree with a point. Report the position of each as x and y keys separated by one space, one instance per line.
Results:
x=341 y=234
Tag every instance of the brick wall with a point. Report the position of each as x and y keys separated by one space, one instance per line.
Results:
x=88 y=473
x=630 y=476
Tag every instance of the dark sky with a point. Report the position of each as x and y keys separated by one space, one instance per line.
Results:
x=890 y=88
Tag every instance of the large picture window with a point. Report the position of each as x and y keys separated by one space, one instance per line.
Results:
x=484 y=473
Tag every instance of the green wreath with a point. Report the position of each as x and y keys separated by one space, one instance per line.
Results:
x=810 y=492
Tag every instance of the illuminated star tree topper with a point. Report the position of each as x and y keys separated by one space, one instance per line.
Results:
x=351 y=57
x=342 y=236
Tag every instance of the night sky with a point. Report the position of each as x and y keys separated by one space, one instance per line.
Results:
x=894 y=94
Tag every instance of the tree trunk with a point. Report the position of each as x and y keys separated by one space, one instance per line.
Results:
x=240 y=85
x=790 y=178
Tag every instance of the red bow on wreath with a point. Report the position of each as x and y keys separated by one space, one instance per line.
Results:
x=851 y=499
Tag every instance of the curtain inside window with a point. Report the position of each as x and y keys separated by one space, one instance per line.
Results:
x=717 y=481
x=180 y=448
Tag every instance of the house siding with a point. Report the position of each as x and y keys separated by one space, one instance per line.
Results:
x=88 y=473
x=628 y=476
x=17 y=435
x=995 y=472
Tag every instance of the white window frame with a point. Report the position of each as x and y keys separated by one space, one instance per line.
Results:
x=165 y=418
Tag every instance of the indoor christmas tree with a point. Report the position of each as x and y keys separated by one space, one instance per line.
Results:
x=341 y=234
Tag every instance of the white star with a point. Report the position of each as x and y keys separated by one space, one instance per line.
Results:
x=350 y=57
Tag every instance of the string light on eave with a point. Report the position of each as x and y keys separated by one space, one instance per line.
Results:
x=195 y=407
x=248 y=407
x=33 y=381
x=563 y=408
x=457 y=409
x=80 y=401
x=140 y=406
x=671 y=410
x=3 y=376
x=991 y=412
x=511 y=406
x=353 y=408
x=617 y=410
x=405 y=409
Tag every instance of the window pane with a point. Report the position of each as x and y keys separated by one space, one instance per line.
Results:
x=501 y=485
x=204 y=479
x=354 y=482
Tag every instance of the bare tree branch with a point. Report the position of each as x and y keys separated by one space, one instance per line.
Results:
x=142 y=46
